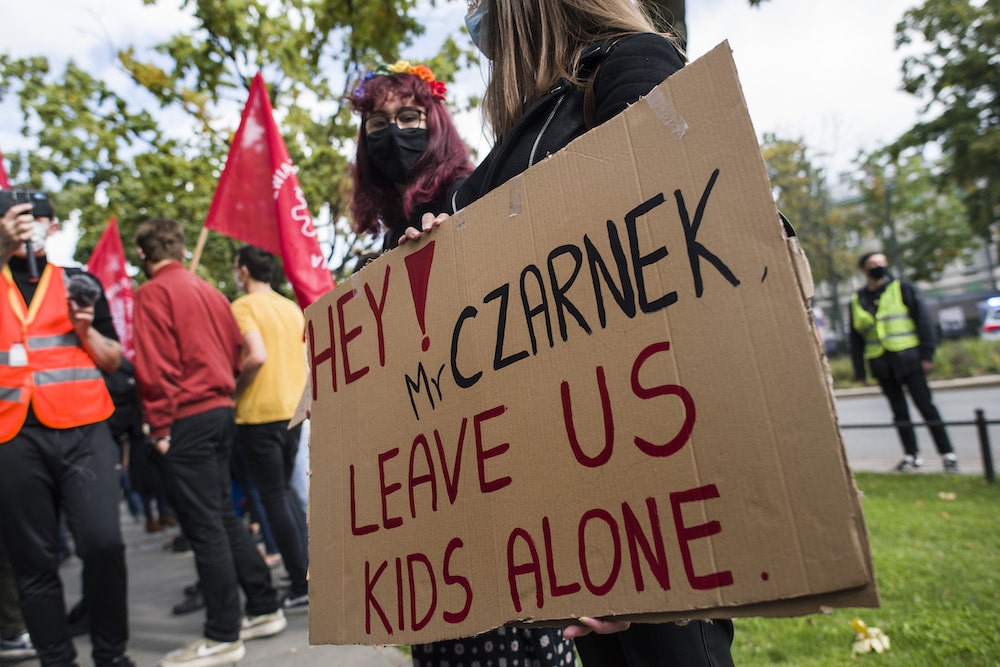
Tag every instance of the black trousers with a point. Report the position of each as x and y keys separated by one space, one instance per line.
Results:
x=197 y=473
x=76 y=472
x=695 y=644
x=269 y=450
x=915 y=383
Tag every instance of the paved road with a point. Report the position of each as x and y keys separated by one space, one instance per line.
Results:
x=157 y=577
x=878 y=449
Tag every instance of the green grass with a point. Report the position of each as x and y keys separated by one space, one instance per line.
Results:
x=937 y=563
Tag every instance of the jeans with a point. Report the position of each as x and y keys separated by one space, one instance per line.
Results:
x=74 y=471
x=270 y=451
x=226 y=558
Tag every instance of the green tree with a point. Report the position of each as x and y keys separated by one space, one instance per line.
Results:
x=956 y=70
x=922 y=226
x=825 y=228
x=105 y=157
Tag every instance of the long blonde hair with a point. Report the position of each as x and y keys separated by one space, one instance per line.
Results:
x=534 y=43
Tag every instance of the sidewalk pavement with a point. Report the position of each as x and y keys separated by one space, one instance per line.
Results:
x=157 y=578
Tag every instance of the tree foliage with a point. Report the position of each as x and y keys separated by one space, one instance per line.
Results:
x=956 y=71
x=922 y=228
x=157 y=148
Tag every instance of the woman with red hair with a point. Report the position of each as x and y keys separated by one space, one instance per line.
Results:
x=409 y=152
x=409 y=156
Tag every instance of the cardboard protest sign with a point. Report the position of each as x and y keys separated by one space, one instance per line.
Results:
x=597 y=391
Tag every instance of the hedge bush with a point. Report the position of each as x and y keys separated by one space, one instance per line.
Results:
x=966 y=357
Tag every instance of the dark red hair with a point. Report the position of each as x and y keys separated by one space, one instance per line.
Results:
x=376 y=203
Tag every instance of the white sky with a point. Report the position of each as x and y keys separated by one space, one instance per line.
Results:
x=824 y=71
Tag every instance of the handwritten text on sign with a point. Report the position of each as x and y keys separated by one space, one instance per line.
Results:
x=547 y=302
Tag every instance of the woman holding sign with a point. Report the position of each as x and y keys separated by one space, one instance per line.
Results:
x=558 y=69
x=409 y=156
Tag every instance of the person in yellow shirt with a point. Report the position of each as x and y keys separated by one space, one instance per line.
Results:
x=267 y=393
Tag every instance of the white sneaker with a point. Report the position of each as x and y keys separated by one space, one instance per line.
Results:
x=205 y=653
x=265 y=625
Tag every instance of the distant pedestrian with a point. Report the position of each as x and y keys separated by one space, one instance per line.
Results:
x=188 y=353
x=892 y=330
x=267 y=393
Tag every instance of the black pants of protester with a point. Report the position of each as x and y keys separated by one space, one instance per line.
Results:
x=76 y=472
x=197 y=472
x=270 y=450
x=916 y=384
x=694 y=644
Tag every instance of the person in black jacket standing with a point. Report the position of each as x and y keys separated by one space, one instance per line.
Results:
x=559 y=68
x=892 y=330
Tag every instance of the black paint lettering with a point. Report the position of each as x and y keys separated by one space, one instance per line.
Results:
x=696 y=250
x=640 y=261
x=499 y=361
x=462 y=381
x=530 y=312
x=559 y=299
x=625 y=296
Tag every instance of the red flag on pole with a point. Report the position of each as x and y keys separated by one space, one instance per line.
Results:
x=107 y=263
x=4 y=183
x=259 y=200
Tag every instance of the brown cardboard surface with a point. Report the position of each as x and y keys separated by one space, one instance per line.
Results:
x=597 y=391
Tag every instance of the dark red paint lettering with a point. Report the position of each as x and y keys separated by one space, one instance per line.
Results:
x=388 y=489
x=415 y=623
x=686 y=534
x=482 y=453
x=675 y=444
x=609 y=424
x=371 y=601
x=555 y=588
x=454 y=580
x=420 y=444
x=355 y=528
x=616 y=563
x=532 y=567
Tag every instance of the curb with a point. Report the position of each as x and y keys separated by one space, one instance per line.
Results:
x=937 y=385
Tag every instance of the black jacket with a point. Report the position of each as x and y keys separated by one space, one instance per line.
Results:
x=628 y=68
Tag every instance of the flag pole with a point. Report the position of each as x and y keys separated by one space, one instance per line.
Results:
x=199 y=247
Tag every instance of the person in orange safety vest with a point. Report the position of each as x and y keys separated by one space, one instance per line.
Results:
x=57 y=456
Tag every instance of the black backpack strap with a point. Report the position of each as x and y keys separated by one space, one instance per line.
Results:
x=590 y=63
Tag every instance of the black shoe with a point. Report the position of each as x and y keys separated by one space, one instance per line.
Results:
x=178 y=545
x=78 y=619
x=120 y=661
x=189 y=604
x=192 y=589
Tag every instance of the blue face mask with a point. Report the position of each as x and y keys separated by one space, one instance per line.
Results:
x=474 y=23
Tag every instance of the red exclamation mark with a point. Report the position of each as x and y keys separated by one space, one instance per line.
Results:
x=418 y=267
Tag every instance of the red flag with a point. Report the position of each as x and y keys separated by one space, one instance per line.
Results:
x=107 y=263
x=4 y=183
x=259 y=200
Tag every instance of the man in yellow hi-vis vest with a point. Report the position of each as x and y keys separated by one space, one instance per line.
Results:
x=892 y=330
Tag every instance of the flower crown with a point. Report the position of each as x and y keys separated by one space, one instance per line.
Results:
x=437 y=88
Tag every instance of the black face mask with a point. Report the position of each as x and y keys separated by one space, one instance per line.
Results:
x=395 y=151
x=877 y=272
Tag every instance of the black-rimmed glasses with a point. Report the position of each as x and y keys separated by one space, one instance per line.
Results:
x=405 y=119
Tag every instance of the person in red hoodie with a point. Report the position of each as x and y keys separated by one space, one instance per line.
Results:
x=188 y=351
